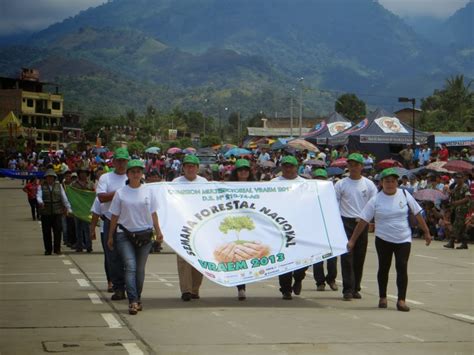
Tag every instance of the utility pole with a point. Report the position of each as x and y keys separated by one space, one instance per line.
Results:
x=300 y=123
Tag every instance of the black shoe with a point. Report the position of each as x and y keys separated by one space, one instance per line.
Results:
x=287 y=296
x=47 y=253
x=195 y=296
x=347 y=296
x=462 y=246
x=383 y=303
x=450 y=245
x=78 y=250
x=186 y=297
x=118 y=296
x=297 y=287
x=89 y=250
x=356 y=295
x=333 y=286
x=403 y=308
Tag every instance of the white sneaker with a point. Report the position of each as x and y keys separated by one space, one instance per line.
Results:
x=241 y=295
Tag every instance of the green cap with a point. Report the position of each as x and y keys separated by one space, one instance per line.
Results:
x=121 y=153
x=135 y=163
x=289 y=159
x=242 y=163
x=388 y=172
x=320 y=173
x=358 y=158
x=50 y=172
x=191 y=159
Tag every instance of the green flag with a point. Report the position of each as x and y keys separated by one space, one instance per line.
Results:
x=81 y=202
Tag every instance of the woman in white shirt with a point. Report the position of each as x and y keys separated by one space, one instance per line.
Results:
x=391 y=208
x=133 y=211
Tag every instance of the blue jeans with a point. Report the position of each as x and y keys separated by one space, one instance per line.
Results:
x=134 y=259
x=103 y=239
x=83 y=237
x=116 y=268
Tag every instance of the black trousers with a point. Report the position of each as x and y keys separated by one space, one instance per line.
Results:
x=34 y=208
x=385 y=250
x=51 y=223
x=286 y=279
x=318 y=272
x=352 y=264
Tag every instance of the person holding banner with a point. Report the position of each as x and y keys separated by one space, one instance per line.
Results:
x=133 y=211
x=189 y=278
x=83 y=238
x=289 y=169
x=331 y=264
x=391 y=208
x=353 y=193
x=241 y=173
x=108 y=184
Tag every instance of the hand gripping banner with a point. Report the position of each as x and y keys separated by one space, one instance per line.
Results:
x=236 y=233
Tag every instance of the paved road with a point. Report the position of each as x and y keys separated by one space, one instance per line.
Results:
x=57 y=304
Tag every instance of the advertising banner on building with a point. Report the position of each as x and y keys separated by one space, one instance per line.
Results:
x=237 y=233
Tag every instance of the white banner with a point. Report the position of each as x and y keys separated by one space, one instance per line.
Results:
x=338 y=127
x=237 y=233
x=390 y=125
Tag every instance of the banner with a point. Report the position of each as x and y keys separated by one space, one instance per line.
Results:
x=237 y=233
x=21 y=174
x=81 y=202
x=390 y=125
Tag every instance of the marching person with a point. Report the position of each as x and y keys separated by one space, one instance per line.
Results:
x=108 y=184
x=353 y=193
x=52 y=203
x=331 y=264
x=83 y=237
x=289 y=168
x=189 y=278
x=241 y=173
x=31 y=189
x=391 y=208
x=133 y=210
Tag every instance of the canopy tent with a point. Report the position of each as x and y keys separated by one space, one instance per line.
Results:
x=381 y=134
x=320 y=134
x=461 y=139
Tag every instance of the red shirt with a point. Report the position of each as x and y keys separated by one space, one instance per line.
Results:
x=31 y=190
x=443 y=154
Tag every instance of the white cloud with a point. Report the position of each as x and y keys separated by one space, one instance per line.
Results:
x=429 y=8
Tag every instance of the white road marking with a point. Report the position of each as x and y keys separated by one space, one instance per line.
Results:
x=217 y=314
x=162 y=279
x=413 y=337
x=67 y=262
x=381 y=326
x=353 y=316
x=95 y=299
x=430 y=284
x=254 y=336
x=234 y=324
x=272 y=286
x=168 y=284
x=132 y=348
x=62 y=256
x=28 y=282
x=406 y=300
x=425 y=256
x=29 y=274
x=74 y=271
x=83 y=282
x=111 y=320
x=465 y=316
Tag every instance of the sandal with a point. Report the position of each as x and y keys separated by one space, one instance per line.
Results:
x=133 y=308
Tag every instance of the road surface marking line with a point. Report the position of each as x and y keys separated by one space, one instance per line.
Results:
x=406 y=300
x=29 y=274
x=132 y=348
x=381 y=326
x=28 y=282
x=74 y=271
x=425 y=256
x=162 y=279
x=83 y=283
x=413 y=337
x=254 y=336
x=95 y=299
x=168 y=284
x=67 y=262
x=217 y=314
x=350 y=315
x=62 y=256
x=465 y=316
x=233 y=324
x=430 y=284
x=111 y=320
x=272 y=286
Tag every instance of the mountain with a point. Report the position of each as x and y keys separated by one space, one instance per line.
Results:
x=234 y=51
x=460 y=27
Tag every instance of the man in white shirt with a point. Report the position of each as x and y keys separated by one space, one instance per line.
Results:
x=289 y=169
x=108 y=184
x=190 y=279
x=353 y=193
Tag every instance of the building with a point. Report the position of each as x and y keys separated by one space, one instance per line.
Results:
x=406 y=115
x=283 y=127
x=39 y=111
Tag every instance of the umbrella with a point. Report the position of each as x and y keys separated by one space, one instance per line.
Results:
x=388 y=163
x=100 y=150
x=237 y=152
x=314 y=162
x=437 y=166
x=301 y=144
x=416 y=171
x=339 y=163
x=458 y=166
x=189 y=150
x=267 y=164
x=402 y=171
x=333 y=171
x=226 y=147
x=429 y=195
x=153 y=150
x=279 y=144
x=174 y=150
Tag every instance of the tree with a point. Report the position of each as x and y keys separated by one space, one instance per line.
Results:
x=209 y=141
x=236 y=224
x=350 y=106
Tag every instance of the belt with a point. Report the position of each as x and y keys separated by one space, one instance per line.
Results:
x=351 y=219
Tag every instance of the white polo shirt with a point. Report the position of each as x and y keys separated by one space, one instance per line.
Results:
x=110 y=182
x=353 y=195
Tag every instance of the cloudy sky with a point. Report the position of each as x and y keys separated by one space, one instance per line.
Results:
x=20 y=15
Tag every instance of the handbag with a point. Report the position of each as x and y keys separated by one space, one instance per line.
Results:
x=138 y=238
x=412 y=222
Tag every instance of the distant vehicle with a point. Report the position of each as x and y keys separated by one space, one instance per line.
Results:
x=44 y=153
x=206 y=156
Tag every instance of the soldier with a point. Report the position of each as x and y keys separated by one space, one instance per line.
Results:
x=460 y=201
